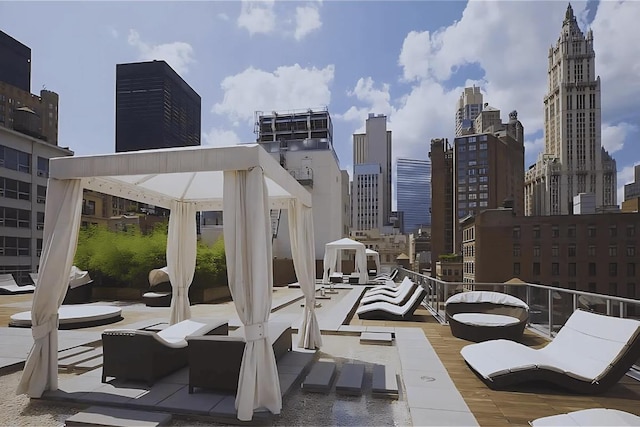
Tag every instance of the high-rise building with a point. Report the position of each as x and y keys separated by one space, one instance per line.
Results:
x=413 y=189
x=469 y=106
x=20 y=110
x=632 y=189
x=15 y=63
x=442 y=193
x=369 y=148
x=302 y=141
x=155 y=108
x=573 y=160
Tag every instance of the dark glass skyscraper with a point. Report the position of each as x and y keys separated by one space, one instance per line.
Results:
x=155 y=108
x=15 y=63
x=414 y=193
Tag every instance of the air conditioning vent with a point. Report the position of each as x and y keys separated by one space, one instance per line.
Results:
x=40 y=227
x=41 y=199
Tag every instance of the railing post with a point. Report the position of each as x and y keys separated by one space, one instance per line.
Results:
x=550 y=298
x=575 y=302
x=608 y=307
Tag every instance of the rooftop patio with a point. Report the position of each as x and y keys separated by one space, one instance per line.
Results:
x=421 y=400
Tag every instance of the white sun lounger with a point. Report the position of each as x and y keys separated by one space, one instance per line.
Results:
x=589 y=418
x=388 y=311
x=404 y=292
x=391 y=289
x=8 y=286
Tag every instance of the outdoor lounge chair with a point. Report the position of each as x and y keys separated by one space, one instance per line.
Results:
x=405 y=290
x=162 y=293
x=382 y=278
x=589 y=417
x=79 y=290
x=8 y=286
x=388 y=311
x=139 y=355
x=214 y=361
x=483 y=315
x=391 y=290
x=589 y=354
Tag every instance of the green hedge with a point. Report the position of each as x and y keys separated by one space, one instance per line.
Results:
x=124 y=258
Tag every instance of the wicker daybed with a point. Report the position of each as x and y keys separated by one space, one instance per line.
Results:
x=484 y=315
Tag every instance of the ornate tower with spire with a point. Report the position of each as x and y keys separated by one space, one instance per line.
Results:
x=573 y=160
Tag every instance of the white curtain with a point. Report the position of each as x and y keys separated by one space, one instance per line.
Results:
x=247 y=240
x=361 y=266
x=61 y=225
x=303 y=253
x=181 y=257
x=329 y=262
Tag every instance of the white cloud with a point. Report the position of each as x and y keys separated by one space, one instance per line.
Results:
x=533 y=146
x=307 y=21
x=113 y=32
x=613 y=136
x=257 y=17
x=223 y=16
x=177 y=54
x=414 y=55
x=625 y=176
x=217 y=137
x=286 y=88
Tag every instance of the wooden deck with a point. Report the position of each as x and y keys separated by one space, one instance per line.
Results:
x=511 y=408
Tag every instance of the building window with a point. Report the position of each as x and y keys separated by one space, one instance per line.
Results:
x=591 y=250
x=613 y=231
x=554 y=250
x=555 y=269
x=613 y=250
x=516 y=250
x=43 y=167
x=15 y=159
x=591 y=231
x=536 y=231
x=613 y=289
x=516 y=268
x=572 y=269
x=631 y=269
x=536 y=251
x=613 y=269
x=572 y=250
x=631 y=290
x=631 y=251
x=536 y=269
x=592 y=269
x=571 y=231
x=516 y=232
x=631 y=230
x=555 y=231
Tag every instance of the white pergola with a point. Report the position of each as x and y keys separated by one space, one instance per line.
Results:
x=243 y=181
x=333 y=261
x=376 y=258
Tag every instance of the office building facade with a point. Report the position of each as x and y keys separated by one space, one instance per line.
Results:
x=155 y=108
x=469 y=106
x=15 y=63
x=413 y=189
x=373 y=147
x=573 y=160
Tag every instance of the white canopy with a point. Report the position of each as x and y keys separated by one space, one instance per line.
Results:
x=376 y=258
x=184 y=180
x=333 y=262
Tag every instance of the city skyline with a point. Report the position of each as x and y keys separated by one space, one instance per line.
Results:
x=413 y=71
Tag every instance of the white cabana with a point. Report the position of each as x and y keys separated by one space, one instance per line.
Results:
x=184 y=180
x=376 y=258
x=333 y=259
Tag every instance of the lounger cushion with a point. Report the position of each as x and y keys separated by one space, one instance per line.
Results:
x=589 y=417
x=390 y=288
x=499 y=357
x=155 y=294
x=484 y=319
x=486 y=297
x=398 y=310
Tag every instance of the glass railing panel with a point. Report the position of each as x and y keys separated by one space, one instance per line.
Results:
x=562 y=303
x=538 y=301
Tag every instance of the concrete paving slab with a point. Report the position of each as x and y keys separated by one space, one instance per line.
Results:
x=435 y=398
x=423 y=378
x=320 y=378
x=156 y=394
x=388 y=329
x=351 y=379
x=225 y=411
x=117 y=417
x=286 y=382
x=384 y=382
x=73 y=351
x=181 y=402
x=91 y=363
x=431 y=417
x=81 y=357
x=376 y=338
x=355 y=329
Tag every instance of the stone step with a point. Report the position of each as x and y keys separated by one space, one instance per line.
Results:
x=73 y=351
x=351 y=379
x=384 y=382
x=320 y=377
x=117 y=417
x=81 y=357
x=379 y=338
x=91 y=363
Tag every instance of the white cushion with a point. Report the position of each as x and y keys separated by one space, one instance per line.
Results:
x=390 y=288
x=177 y=333
x=589 y=417
x=497 y=357
x=485 y=319
x=486 y=297
x=155 y=294
x=399 y=310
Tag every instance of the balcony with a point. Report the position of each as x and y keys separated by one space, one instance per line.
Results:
x=303 y=175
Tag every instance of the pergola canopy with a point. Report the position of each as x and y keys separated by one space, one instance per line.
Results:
x=187 y=174
x=376 y=258
x=243 y=181
x=332 y=261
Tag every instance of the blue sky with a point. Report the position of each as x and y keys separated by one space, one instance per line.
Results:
x=409 y=60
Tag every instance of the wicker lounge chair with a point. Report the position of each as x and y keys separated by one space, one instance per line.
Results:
x=214 y=361
x=483 y=315
x=139 y=355
x=589 y=417
x=388 y=311
x=589 y=354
